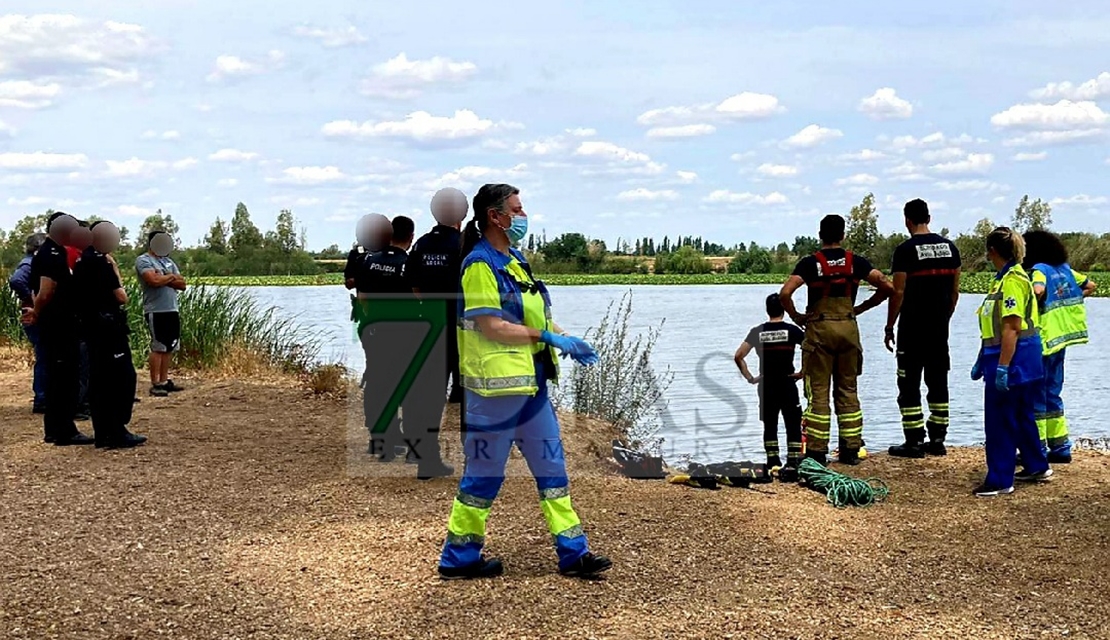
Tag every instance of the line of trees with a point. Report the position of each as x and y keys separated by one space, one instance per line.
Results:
x=239 y=247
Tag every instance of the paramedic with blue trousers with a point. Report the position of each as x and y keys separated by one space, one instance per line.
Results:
x=1010 y=364
x=1060 y=292
x=506 y=346
x=433 y=270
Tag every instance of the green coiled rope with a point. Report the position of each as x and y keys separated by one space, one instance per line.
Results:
x=841 y=490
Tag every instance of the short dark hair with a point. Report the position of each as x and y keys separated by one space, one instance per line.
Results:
x=54 y=216
x=1044 y=247
x=403 y=228
x=84 y=224
x=33 y=242
x=150 y=235
x=774 y=306
x=917 y=211
x=93 y=225
x=832 y=229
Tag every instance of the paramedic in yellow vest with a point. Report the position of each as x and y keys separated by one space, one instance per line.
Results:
x=832 y=355
x=506 y=358
x=1060 y=292
x=1010 y=364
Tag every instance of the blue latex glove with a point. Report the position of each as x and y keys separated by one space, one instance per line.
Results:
x=577 y=348
x=977 y=371
x=1002 y=378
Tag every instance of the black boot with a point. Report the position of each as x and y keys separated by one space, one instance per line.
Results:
x=849 y=456
x=820 y=458
x=908 y=450
x=936 y=448
x=588 y=566
x=773 y=461
x=484 y=568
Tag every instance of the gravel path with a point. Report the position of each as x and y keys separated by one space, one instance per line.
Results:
x=245 y=517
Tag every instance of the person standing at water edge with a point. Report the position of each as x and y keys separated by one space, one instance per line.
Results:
x=506 y=357
x=1010 y=361
x=104 y=323
x=54 y=313
x=832 y=355
x=926 y=289
x=20 y=284
x=1060 y=292
x=161 y=282
x=774 y=342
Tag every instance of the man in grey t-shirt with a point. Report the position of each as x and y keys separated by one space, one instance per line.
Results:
x=161 y=281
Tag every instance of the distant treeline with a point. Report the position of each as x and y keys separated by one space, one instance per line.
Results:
x=240 y=248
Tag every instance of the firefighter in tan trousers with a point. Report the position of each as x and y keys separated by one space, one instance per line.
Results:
x=832 y=355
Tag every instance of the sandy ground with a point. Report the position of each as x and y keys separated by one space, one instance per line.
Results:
x=246 y=516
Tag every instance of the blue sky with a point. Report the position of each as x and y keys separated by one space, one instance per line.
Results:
x=736 y=121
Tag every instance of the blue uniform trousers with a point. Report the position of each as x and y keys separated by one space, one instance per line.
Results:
x=1049 y=407
x=1010 y=425
x=494 y=425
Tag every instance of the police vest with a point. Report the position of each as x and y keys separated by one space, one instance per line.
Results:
x=490 y=368
x=1063 y=315
x=990 y=314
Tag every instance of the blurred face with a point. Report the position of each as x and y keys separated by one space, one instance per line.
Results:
x=80 y=238
x=449 y=207
x=105 y=237
x=161 y=245
x=61 y=229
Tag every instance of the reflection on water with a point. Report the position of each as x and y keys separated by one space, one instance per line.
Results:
x=712 y=413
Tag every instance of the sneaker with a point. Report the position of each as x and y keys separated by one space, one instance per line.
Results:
x=76 y=439
x=788 y=474
x=908 y=450
x=588 y=566
x=1025 y=476
x=438 y=469
x=1059 y=458
x=484 y=568
x=935 y=448
x=127 y=441
x=984 y=491
x=159 y=391
x=170 y=385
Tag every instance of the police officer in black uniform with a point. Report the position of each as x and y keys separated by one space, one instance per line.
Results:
x=55 y=314
x=105 y=330
x=349 y=269
x=434 y=267
x=382 y=276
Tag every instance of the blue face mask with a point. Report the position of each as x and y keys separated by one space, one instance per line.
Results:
x=518 y=229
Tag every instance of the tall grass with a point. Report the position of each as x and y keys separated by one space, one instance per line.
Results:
x=623 y=387
x=217 y=324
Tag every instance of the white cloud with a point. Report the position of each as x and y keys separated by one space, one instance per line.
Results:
x=866 y=155
x=971 y=185
x=134 y=167
x=973 y=163
x=777 y=170
x=906 y=172
x=742 y=106
x=471 y=176
x=1081 y=199
x=611 y=152
x=40 y=161
x=615 y=160
x=419 y=126
x=545 y=147
x=331 y=38
x=724 y=196
x=1030 y=157
x=935 y=139
x=184 y=163
x=233 y=67
x=33 y=201
x=946 y=153
x=6 y=129
x=133 y=211
x=647 y=195
x=682 y=131
x=1095 y=89
x=812 y=136
x=27 y=94
x=1065 y=115
x=151 y=134
x=687 y=177
x=309 y=175
x=737 y=157
x=582 y=132
x=858 y=180
x=232 y=155
x=401 y=78
x=885 y=104
x=227 y=182
x=1055 y=138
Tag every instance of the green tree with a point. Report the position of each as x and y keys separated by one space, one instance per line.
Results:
x=1032 y=216
x=157 y=222
x=805 y=246
x=245 y=237
x=285 y=237
x=216 y=240
x=682 y=260
x=863 y=227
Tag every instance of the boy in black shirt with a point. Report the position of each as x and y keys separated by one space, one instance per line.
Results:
x=926 y=288
x=775 y=342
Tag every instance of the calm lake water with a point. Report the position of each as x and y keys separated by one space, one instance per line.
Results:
x=711 y=412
